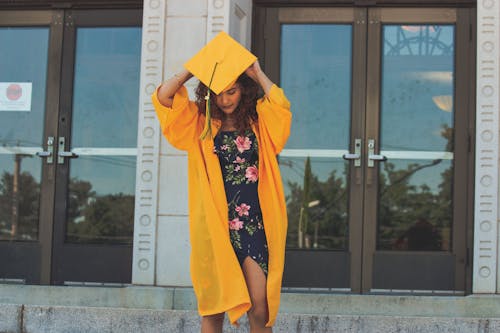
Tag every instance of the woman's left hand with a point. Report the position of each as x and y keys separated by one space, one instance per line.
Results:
x=253 y=71
x=256 y=74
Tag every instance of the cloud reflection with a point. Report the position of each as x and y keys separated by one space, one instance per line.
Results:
x=432 y=76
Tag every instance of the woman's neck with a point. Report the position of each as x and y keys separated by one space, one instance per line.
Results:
x=228 y=123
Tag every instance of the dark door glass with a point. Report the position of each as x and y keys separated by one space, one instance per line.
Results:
x=104 y=135
x=417 y=112
x=316 y=75
x=23 y=76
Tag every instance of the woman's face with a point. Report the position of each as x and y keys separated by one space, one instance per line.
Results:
x=229 y=99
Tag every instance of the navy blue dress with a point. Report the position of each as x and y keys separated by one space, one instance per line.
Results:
x=239 y=158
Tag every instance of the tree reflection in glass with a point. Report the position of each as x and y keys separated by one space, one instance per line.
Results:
x=96 y=218
x=323 y=204
x=19 y=206
x=415 y=214
x=104 y=125
x=23 y=60
x=415 y=194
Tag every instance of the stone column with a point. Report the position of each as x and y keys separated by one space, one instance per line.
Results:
x=486 y=273
x=185 y=34
x=173 y=31
x=148 y=145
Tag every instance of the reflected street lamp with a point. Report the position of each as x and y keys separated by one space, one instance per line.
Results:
x=300 y=231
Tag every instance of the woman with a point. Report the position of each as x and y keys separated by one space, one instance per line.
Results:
x=236 y=202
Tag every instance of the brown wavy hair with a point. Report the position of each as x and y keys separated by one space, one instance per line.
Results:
x=245 y=113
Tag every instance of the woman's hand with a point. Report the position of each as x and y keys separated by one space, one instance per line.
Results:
x=256 y=74
x=253 y=71
x=167 y=89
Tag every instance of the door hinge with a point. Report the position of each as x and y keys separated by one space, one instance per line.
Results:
x=62 y=5
x=69 y=20
x=57 y=18
x=365 y=3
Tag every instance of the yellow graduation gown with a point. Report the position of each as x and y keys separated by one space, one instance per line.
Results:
x=217 y=278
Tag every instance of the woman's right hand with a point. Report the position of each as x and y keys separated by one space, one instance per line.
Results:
x=168 y=88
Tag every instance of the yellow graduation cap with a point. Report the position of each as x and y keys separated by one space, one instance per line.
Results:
x=218 y=65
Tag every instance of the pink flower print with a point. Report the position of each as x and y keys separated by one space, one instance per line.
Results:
x=242 y=209
x=224 y=147
x=239 y=160
x=242 y=143
x=237 y=168
x=252 y=173
x=235 y=224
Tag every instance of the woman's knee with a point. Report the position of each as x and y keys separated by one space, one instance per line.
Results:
x=259 y=312
x=215 y=318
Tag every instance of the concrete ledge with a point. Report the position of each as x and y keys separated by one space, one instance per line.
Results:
x=165 y=298
x=54 y=309
x=10 y=318
x=40 y=319
x=295 y=323
x=121 y=297
x=474 y=306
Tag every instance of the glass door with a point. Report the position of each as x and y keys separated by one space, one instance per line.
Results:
x=29 y=91
x=416 y=139
x=322 y=70
x=69 y=86
x=376 y=167
x=97 y=142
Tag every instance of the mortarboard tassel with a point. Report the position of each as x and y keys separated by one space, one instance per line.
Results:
x=207 y=130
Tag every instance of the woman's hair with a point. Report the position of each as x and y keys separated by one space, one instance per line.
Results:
x=245 y=113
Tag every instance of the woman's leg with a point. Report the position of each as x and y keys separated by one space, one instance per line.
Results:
x=212 y=323
x=256 y=282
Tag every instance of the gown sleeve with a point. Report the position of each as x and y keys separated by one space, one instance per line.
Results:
x=179 y=123
x=275 y=117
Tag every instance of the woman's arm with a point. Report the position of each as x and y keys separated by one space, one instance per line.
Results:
x=256 y=73
x=168 y=88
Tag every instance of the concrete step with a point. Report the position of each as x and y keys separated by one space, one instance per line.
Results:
x=94 y=308
x=66 y=319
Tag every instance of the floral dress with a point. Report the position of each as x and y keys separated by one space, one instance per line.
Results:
x=239 y=159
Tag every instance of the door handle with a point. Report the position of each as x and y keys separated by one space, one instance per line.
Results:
x=375 y=157
x=372 y=157
x=50 y=150
x=67 y=154
x=61 y=154
x=356 y=156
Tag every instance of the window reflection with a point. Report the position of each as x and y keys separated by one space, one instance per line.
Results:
x=19 y=200
x=105 y=104
x=316 y=76
x=101 y=200
x=415 y=210
x=23 y=59
x=417 y=87
x=316 y=206
x=415 y=206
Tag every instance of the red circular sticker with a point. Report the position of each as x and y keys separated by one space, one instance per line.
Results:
x=14 y=92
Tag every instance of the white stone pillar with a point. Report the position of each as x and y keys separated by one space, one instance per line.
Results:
x=148 y=145
x=232 y=16
x=173 y=31
x=185 y=34
x=486 y=271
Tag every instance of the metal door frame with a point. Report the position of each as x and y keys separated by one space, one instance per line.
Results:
x=461 y=19
x=365 y=82
x=53 y=20
x=269 y=55
x=73 y=262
